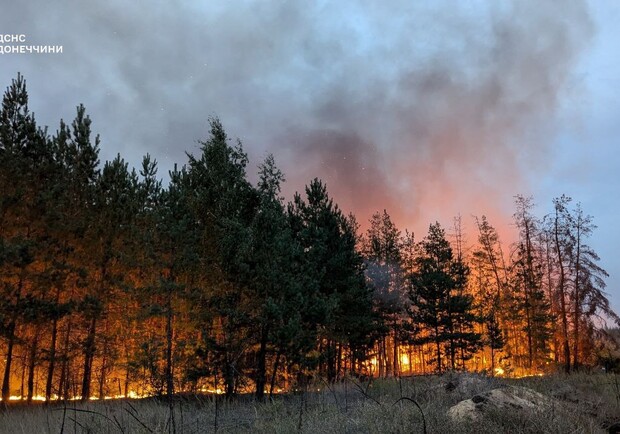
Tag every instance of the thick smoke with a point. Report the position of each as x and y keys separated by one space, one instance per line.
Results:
x=427 y=111
x=454 y=124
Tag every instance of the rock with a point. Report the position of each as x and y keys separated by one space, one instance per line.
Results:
x=510 y=398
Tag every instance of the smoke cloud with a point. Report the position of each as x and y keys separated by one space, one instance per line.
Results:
x=426 y=111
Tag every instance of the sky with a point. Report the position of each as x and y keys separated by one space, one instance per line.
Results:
x=425 y=109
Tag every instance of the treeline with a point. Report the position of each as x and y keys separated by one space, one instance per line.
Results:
x=115 y=283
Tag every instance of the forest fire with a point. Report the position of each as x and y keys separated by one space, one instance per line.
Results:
x=119 y=287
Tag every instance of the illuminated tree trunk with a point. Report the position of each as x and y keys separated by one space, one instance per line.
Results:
x=387 y=361
x=261 y=374
x=6 y=381
x=438 y=349
x=52 y=356
x=102 y=377
x=276 y=365
x=331 y=360
x=63 y=384
x=552 y=299
x=169 y=340
x=410 y=355
x=89 y=355
x=339 y=361
x=530 y=347
x=32 y=358
x=380 y=372
x=52 y=351
x=126 y=386
x=395 y=358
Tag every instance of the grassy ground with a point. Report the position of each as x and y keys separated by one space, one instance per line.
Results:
x=587 y=403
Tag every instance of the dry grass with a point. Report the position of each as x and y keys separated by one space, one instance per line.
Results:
x=587 y=404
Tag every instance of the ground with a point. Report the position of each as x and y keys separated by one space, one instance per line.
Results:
x=587 y=403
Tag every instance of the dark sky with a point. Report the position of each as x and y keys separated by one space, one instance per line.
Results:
x=426 y=111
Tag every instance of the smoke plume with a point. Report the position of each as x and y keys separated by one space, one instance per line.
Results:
x=426 y=111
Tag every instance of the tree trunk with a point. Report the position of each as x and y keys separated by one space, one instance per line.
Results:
x=89 y=355
x=276 y=365
x=550 y=295
x=395 y=356
x=63 y=384
x=438 y=349
x=380 y=358
x=52 y=355
x=530 y=349
x=410 y=354
x=386 y=360
x=103 y=374
x=577 y=304
x=331 y=361
x=229 y=377
x=339 y=361
x=6 y=381
x=32 y=358
x=261 y=369
x=169 y=336
x=126 y=387
x=561 y=289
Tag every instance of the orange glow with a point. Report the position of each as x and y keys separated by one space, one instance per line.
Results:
x=404 y=360
x=216 y=391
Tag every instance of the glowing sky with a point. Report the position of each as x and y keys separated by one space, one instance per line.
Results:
x=427 y=111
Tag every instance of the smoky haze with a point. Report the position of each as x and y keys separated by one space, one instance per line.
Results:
x=426 y=111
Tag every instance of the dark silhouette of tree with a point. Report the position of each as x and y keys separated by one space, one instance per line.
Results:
x=387 y=279
x=439 y=303
x=341 y=302
x=25 y=158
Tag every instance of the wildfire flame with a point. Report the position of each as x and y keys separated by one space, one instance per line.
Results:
x=404 y=360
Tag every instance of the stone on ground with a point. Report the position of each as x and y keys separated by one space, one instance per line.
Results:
x=510 y=398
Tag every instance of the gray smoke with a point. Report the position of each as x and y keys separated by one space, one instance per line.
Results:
x=426 y=111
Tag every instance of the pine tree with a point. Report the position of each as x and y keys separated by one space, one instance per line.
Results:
x=79 y=158
x=495 y=338
x=584 y=278
x=265 y=267
x=114 y=208
x=340 y=304
x=561 y=239
x=438 y=301
x=493 y=288
x=25 y=158
x=530 y=301
x=223 y=204
x=386 y=276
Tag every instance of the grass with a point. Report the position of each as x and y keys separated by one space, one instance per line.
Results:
x=587 y=403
